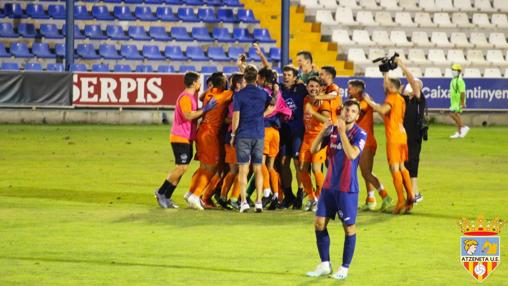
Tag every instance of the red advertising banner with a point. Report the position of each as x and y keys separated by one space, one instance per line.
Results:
x=126 y=89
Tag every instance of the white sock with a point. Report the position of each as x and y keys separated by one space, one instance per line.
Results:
x=267 y=192
x=370 y=194
x=276 y=195
x=381 y=187
x=326 y=264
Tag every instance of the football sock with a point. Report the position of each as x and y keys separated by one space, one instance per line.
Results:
x=307 y=185
x=407 y=183
x=164 y=187
x=170 y=191
x=323 y=244
x=399 y=185
x=320 y=179
x=201 y=181
x=226 y=185
x=210 y=188
x=266 y=177
x=274 y=181
x=236 y=189
x=370 y=196
x=349 y=250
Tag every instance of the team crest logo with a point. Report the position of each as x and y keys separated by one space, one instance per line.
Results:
x=480 y=246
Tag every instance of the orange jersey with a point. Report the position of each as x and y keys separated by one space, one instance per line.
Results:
x=214 y=119
x=394 y=120
x=312 y=125
x=185 y=105
x=366 y=122
x=335 y=103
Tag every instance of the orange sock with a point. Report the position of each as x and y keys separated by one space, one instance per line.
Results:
x=195 y=180
x=236 y=189
x=399 y=186
x=266 y=177
x=200 y=182
x=407 y=183
x=320 y=179
x=226 y=185
x=382 y=193
x=307 y=185
x=210 y=188
x=274 y=181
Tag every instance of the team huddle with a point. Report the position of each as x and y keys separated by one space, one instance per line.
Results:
x=253 y=127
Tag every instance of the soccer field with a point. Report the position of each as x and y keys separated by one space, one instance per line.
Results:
x=77 y=208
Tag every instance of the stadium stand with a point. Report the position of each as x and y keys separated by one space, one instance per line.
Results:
x=129 y=35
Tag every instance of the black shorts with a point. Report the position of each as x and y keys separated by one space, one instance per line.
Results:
x=182 y=153
x=414 y=148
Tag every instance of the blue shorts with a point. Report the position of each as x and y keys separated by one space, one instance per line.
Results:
x=344 y=203
x=249 y=150
x=290 y=142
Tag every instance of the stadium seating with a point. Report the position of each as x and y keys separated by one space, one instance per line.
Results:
x=152 y=52
x=33 y=67
x=174 y=53
x=27 y=30
x=56 y=67
x=115 y=32
x=7 y=66
x=180 y=34
x=50 y=31
x=217 y=54
x=109 y=52
x=36 y=11
x=196 y=53
x=20 y=50
x=56 y=11
x=201 y=34
x=165 y=69
x=166 y=14
x=7 y=31
x=144 y=68
x=222 y=35
x=94 y=32
x=122 y=68
x=41 y=50
x=138 y=33
x=100 y=68
x=3 y=52
x=159 y=33
x=101 y=12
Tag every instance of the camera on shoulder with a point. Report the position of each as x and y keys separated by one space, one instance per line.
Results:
x=387 y=63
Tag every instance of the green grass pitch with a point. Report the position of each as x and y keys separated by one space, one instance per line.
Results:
x=76 y=208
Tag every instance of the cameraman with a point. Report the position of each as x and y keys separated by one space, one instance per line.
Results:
x=415 y=124
x=392 y=111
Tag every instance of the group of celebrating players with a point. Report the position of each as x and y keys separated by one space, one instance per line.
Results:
x=252 y=125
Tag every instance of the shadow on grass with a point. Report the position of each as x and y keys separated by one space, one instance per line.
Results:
x=144 y=264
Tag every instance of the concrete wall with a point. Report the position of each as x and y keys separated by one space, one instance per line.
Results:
x=118 y=116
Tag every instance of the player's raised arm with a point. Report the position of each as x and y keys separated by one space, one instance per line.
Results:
x=322 y=116
x=317 y=144
x=379 y=108
x=415 y=85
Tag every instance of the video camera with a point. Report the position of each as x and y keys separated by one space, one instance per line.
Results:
x=387 y=64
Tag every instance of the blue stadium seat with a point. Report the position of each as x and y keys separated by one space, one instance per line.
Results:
x=81 y=13
x=262 y=36
x=138 y=33
x=41 y=50
x=115 y=32
x=209 y=69
x=152 y=52
x=20 y=50
x=247 y=16
x=36 y=11
x=112 y=1
x=7 y=31
x=233 y=3
x=122 y=68
x=274 y=54
x=133 y=1
x=27 y=30
x=10 y=66
x=159 y=33
x=109 y=52
x=60 y=50
x=180 y=34
x=201 y=34
x=214 y=3
x=166 y=14
x=55 y=67
x=130 y=52
x=144 y=68
x=242 y=35
x=123 y=13
x=165 y=69
x=222 y=35
x=230 y=69
x=226 y=15
x=174 y=2
x=196 y=53
x=56 y=11
x=77 y=32
x=253 y=55
x=94 y=32
x=78 y=68
x=174 y=53
x=187 y=15
x=185 y=68
x=101 y=12
x=144 y=13
x=87 y=52
x=193 y=2
x=235 y=52
x=207 y=15
x=3 y=52
x=155 y=2
x=50 y=31
x=100 y=68
x=33 y=67
x=14 y=11
x=217 y=54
